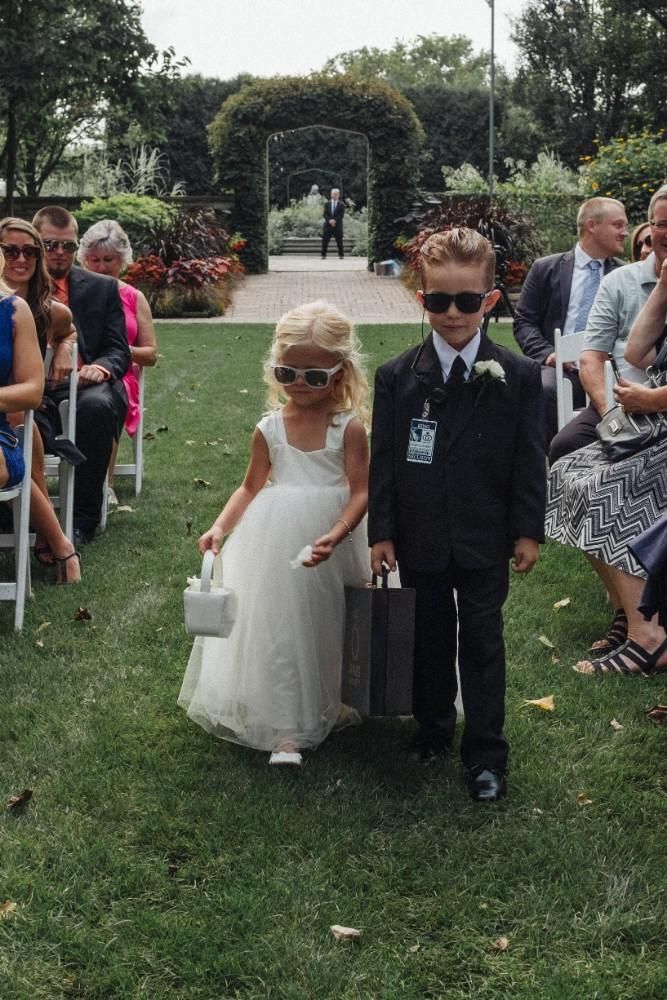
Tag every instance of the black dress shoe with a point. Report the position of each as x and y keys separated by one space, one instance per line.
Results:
x=486 y=785
x=428 y=747
x=82 y=537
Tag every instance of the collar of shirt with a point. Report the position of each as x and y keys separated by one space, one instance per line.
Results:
x=446 y=353
x=581 y=258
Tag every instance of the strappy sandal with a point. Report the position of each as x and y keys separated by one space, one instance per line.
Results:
x=61 y=569
x=630 y=658
x=617 y=634
x=43 y=554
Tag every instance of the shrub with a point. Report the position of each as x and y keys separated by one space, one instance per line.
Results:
x=628 y=168
x=137 y=214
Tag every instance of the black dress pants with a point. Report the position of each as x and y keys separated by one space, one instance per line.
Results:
x=337 y=234
x=579 y=432
x=471 y=621
x=100 y=415
x=550 y=398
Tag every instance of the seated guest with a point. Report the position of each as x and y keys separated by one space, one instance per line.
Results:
x=104 y=355
x=105 y=249
x=622 y=294
x=601 y=507
x=21 y=388
x=640 y=242
x=559 y=290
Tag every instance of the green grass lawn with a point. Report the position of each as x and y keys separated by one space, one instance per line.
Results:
x=155 y=862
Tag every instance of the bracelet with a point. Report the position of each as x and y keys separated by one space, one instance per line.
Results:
x=343 y=521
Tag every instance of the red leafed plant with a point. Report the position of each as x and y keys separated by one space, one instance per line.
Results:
x=149 y=270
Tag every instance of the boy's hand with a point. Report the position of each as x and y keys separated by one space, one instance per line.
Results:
x=526 y=552
x=383 y=552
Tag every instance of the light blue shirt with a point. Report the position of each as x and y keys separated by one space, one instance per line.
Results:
x=447 y=354
x=621 y=295
x=579 y=274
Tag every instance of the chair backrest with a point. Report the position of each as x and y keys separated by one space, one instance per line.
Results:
x=567 y=349
x=18 y=590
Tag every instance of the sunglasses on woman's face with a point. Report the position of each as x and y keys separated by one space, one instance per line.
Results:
x=645 y=242
x=315 y=378
x=69 y=246
x=12 y=252
x=465 y=302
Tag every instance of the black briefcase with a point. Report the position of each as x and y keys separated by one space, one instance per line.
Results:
x=378 y=651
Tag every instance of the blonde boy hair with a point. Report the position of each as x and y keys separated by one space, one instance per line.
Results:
x=321 y=324
x=462 y=246
x=596 y=209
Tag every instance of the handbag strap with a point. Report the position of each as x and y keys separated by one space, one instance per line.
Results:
x=211 y=571
x=661 y=357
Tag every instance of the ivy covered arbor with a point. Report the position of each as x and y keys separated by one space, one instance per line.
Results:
x=239 y=133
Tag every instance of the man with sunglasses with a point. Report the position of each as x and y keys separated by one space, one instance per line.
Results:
x=457 y=488
x=559 y=290
x=104 y=358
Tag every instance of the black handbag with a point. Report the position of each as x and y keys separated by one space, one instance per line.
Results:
x=378 y=649
x=622 y=434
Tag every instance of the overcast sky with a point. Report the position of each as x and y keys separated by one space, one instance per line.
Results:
x=223 y=38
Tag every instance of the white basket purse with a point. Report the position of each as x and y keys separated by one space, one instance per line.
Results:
x=210 y=609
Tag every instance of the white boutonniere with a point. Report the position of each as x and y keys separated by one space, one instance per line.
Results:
x=489 y=369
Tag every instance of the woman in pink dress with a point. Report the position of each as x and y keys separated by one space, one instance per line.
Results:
x=105 y=249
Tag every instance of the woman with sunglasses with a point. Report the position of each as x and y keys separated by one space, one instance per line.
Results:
x=105 y=249
x=26 y=274
x=274 y=684
x=640 y=242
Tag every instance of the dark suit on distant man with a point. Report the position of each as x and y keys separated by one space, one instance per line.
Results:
x=334 y=210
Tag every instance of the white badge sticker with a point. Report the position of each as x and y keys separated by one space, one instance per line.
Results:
x=422 y=441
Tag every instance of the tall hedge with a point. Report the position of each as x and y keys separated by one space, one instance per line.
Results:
x=239 y=133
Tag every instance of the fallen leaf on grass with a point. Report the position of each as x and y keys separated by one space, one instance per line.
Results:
x=414 y=948
x=39 y=644
x=82 y=615
x=555 y=659
x=243 y=392
x=43 y=626
x=583 y=799
x=149 y=436
x=345 y=933
x=546 y=704
x=501 y=944
x=211 y=444
x=190 y=443
x=162 y=429
x=18 y=801
x=122 y=509
x=546 y=642
x=563 y=603
x=616 y=725
x=7 y=909
x=658 y=713
x=201 y=482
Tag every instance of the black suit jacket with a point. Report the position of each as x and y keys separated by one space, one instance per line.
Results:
x=543 y=304
x=486 y=484
x=336 y=215
x=99 y=320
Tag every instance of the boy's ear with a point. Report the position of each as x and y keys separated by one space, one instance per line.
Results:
x=420 y=297
x=491 y=300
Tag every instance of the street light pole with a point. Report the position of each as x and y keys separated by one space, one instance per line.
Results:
x=492 y=99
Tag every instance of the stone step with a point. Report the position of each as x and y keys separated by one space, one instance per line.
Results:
x=311 y=244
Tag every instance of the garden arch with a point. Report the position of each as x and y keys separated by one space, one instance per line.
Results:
x=239 y=133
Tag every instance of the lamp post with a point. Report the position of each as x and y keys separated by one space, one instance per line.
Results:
x=491 y=99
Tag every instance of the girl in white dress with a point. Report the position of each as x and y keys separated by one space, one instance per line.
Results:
x=274 y=683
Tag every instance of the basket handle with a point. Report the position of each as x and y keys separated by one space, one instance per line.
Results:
x=211 y=571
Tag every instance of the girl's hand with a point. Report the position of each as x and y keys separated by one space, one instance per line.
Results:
x=636 y=398
x=322 y=549
x=211 y=539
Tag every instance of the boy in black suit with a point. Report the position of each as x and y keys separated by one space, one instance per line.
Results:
x=457 y=488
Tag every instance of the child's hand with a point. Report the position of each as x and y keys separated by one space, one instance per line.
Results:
x=211 y=539
x=322 y=549
x=526 y=552
x=383 y=552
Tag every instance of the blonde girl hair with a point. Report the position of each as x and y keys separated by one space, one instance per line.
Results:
x=321 y=324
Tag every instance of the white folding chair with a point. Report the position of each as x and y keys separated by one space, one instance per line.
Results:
x=135 y=468
x=63 y=501
x=18 y=589
x=567 y=349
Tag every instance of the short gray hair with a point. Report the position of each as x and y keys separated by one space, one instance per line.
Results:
x=106 y=234
x=659 y=195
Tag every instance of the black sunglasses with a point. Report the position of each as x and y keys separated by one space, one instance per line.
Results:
x=646 y=242
x=12 y=252
x=315 y=378
x=465 y=302
x=69 y=246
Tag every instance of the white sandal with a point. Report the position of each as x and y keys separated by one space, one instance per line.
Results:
x=286 y=757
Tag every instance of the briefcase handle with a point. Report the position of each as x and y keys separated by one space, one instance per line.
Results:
x=385 y=578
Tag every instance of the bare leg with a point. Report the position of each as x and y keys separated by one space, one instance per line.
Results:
x=617 y=631
x=44 y=520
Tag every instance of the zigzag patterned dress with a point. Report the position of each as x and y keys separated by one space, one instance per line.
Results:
x=599 y=506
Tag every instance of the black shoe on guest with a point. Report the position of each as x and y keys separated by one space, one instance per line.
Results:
x=486 y=785
x=427 y=747
x=83 y=537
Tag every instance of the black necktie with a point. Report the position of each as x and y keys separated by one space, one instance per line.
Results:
x=457 y=371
